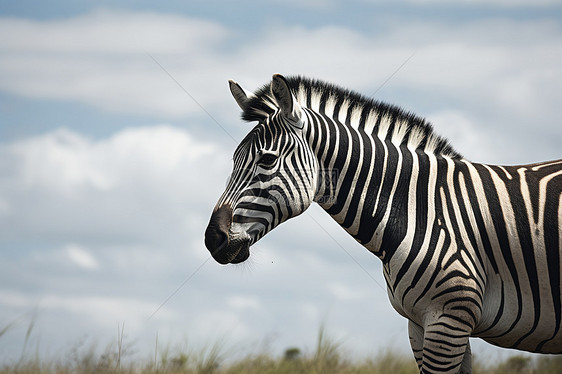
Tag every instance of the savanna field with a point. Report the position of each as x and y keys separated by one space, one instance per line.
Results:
x=328 y=357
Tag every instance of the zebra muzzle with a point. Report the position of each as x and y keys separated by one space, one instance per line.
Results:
x=218 y=241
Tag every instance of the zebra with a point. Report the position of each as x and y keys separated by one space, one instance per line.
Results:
x=468 y=249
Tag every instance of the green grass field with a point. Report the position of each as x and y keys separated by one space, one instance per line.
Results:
x=327 y=357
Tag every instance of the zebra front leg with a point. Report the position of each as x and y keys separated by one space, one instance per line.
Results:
x=446 y=348
x=415 y=332
x=466 y=366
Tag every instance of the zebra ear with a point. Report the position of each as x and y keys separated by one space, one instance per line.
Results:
x=288 y=104
x=239 y=94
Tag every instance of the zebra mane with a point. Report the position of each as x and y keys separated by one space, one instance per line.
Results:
x=383 y=120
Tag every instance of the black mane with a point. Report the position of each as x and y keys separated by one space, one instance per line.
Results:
x=413 y=130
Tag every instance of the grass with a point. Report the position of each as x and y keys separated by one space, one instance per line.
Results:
x=328 y=357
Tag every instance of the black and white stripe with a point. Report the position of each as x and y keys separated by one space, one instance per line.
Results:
x=468 y=249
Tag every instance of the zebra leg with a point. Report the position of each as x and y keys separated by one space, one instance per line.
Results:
x=466 y=366
x=446 y=348
x=415 y=332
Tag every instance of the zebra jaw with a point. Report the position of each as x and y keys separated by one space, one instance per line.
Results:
x=237 y=251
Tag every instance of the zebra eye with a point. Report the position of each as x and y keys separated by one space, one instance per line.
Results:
x=267 y=159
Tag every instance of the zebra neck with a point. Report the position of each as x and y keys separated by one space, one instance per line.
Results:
x=369 y=157
x=369 y=186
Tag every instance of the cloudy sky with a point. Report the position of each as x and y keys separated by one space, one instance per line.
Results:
x=116 y=135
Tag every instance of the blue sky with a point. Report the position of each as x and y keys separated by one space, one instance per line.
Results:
x=109 y=166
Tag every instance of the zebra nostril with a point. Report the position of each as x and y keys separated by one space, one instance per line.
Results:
x=216 y=234
x=215 y=238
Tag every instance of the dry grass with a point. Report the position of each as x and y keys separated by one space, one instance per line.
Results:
x=328 y=357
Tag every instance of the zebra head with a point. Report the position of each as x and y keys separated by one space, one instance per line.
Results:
x=273 y=178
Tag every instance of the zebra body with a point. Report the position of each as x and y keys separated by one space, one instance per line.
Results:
x=467 y=249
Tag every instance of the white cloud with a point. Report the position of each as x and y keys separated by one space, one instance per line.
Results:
x=243 y=302
x=101 y=311
x=14 y=299
x=111 y=32
x=62 y=182
x=58 y=161
x=4 y=207
x=101 y=59
x=346 y=294
x=477 y=146
x=492 y=3
x=69 y=180
x=81 y=257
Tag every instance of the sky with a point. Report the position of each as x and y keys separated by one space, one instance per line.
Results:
x=117 y=130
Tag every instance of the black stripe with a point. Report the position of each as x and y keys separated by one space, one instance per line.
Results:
x=551 y=238
x=387 y=184
x=339 y=164
x=483 y=233
x=361 y=181
x=501 y=232
x=323 y=100
x=245 y=219
x=397 y=224
x=315 y=127
x=368 y=222
x=461 y=169
x=438 y=227
x=522 y=223
x=421 y=222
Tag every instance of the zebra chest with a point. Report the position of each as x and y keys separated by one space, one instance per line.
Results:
x=418 y=289
x=409 y=295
